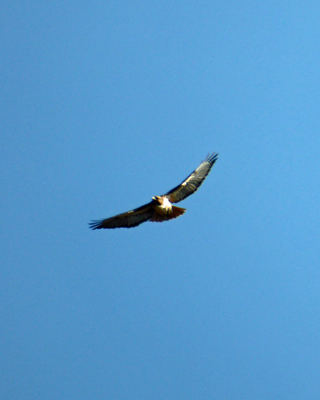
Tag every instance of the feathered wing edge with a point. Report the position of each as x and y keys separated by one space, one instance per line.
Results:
x=192 y=183
x=128 y=219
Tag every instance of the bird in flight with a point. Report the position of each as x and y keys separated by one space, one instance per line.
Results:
x=160 y=208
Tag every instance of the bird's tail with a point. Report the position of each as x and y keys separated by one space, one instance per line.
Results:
x=175 y=213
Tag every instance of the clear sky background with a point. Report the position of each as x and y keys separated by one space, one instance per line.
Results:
x=105 y=104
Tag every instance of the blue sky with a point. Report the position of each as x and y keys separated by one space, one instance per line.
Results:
x=105 y=104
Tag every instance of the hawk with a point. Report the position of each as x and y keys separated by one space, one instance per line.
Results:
x=160 y=208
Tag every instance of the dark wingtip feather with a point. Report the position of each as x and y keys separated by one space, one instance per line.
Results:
x=211 y=159
x=95 y=224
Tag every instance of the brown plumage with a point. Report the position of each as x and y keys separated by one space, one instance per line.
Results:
x=160 y=208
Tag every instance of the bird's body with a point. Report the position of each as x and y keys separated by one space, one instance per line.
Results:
x=160 y=208
x=164 y=210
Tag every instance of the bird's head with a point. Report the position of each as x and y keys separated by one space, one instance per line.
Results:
x=158 y=199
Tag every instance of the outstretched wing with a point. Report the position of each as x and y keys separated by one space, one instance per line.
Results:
x=126 y=220
x=193 y=181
